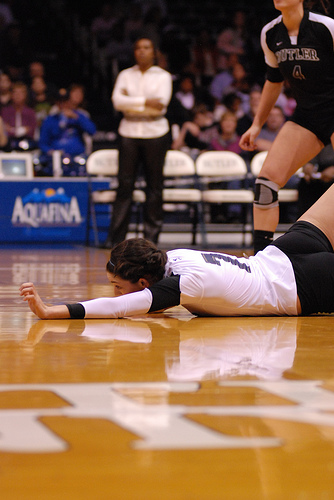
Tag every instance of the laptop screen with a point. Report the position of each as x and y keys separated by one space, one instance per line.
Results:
x=16 y=165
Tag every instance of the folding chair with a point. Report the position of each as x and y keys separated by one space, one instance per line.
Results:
x=102 y=166
x=224 y=166
x=181 y=192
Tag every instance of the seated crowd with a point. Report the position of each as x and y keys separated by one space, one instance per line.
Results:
x=42 y=119
x=217 y=76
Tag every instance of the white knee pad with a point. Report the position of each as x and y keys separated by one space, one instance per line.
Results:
x=266 y=193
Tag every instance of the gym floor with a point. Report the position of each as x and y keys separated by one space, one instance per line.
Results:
x=166 y=406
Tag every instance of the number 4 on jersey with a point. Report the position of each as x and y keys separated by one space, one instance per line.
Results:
x=297 y=73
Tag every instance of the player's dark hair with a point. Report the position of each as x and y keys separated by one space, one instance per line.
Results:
x=137 y=258
x=323 y=4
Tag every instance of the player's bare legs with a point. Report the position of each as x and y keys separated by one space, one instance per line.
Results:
x=293 y=147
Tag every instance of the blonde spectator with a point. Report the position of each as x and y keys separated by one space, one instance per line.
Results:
x=228 y=139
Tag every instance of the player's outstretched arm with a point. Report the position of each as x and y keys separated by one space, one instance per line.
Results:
x=38 y=307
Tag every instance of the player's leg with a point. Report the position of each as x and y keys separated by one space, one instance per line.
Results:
x=293 y=147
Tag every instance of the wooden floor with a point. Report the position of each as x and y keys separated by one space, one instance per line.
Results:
x=161 y=407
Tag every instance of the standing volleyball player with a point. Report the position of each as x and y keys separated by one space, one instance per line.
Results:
x=299 y=49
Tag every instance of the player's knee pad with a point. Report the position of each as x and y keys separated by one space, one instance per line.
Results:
x=266 y=193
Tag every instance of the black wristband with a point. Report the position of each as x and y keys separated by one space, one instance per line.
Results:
x=77 y=311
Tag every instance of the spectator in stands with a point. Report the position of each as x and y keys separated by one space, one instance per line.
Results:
x=186 y=97
x=77 y=97
x=63 y=132
x=273 y=125
x=186 y=94
x=228 y=139
x=240 y=86
x=5 y=89
x=198 y=133
x=224 y=79
x=20 y=120
x=231 y=102
x=37 y=68
x=39 y=99
x=77 y=94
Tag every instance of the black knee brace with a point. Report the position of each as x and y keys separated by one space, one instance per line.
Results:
x=266 y=193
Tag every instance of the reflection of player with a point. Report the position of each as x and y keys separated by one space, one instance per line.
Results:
x=129 y=330
x=136 y=330
x=258 y=347
x=263 y=347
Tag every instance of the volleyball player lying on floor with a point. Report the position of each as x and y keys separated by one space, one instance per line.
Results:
x=294 y=275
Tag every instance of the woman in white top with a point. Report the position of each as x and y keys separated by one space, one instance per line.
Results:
x=142 y=93
x=292 y=276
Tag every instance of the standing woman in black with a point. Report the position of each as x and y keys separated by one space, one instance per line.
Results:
x=299 y=49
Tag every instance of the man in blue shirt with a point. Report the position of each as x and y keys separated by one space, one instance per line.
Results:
x=64 y=131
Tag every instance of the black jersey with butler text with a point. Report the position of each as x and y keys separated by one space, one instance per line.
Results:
x=306 y=61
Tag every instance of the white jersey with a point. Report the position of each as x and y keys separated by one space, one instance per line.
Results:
x=218 y=284
x=214 y=284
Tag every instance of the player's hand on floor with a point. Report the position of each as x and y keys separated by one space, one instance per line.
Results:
x=30 y=295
